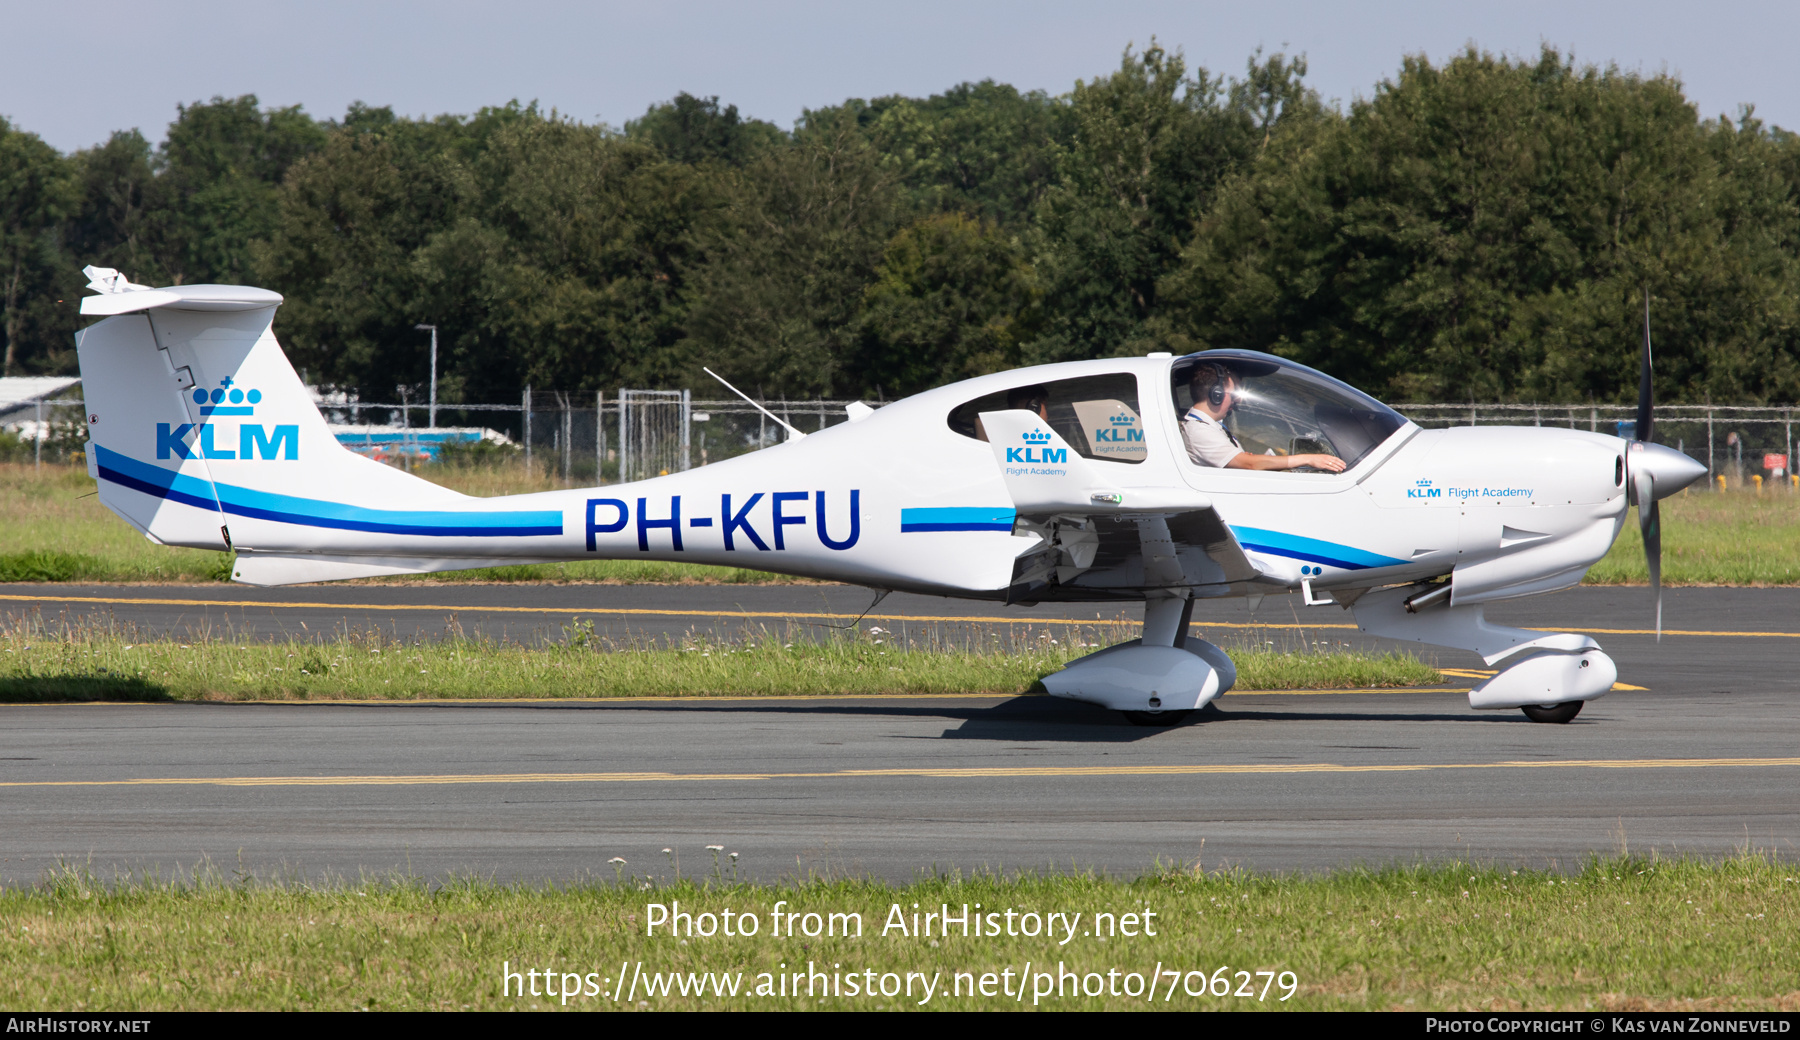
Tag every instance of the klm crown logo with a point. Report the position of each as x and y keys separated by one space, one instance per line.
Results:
x=1120 y=429
x=1034 y=450
x=214 y=402
x=190 y=440
x=1423 y=489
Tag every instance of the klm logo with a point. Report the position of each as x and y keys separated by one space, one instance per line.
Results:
x=1034 y=450
x=254 y=440
x=1423 y=489
x=1121 y=429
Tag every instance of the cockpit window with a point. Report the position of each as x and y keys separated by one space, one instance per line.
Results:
x=1283 y=408
x=1097 y=415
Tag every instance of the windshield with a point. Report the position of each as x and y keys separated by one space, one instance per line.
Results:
x=1283 y=408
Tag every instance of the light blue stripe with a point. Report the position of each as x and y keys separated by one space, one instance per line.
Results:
x=1314 y=550
x=958 y=515
x=149 y=474
x=314 y=513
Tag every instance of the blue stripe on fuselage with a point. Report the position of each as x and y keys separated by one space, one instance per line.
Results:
x=163 y=483
x=1312 y=550
x=956 y=518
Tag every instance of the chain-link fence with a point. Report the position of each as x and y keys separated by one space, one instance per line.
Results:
x=584 y=439
x=1734 y=441
x=602 y=438
x=55 y=433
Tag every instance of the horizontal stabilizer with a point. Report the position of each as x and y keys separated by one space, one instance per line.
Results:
x=180 y=298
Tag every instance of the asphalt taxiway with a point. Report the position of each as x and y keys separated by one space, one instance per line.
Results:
x=1705 y=760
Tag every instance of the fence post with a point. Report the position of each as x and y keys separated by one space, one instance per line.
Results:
x=599 y=437
x=37 y=452
x=624 y=437
x=568 y=434
x=1593 y=419
x=687 y=426
x=525 y=406
x=1709 y=445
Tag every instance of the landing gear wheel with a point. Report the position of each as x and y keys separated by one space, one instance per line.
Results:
x=1156 y=718
x=1553 y=712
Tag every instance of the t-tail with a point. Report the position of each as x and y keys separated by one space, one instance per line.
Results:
x=200 y=433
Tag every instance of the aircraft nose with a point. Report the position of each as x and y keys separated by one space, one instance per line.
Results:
x=1669 y=470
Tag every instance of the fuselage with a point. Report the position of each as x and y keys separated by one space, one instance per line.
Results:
x=202 y=434
x=901 y=499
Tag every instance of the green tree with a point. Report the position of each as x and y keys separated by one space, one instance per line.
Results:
x=696 y=130
x=1485 y=230
x=952 y=298
x=548 y=253
x=984 y=148
x=774 y=305
x=113 y=224
x=1149 y=147
x=36 y=195
x=218 y=172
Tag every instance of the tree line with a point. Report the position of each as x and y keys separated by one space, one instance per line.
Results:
x=1485 y=229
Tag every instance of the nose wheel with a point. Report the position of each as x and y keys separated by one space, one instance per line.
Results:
x=1557 y=713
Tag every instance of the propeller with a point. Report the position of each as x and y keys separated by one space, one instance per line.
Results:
x=1643 y=479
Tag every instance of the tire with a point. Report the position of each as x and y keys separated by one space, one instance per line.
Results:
x=1156 y=718
x=1557 y=713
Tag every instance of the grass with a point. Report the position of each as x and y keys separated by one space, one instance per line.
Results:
x=1731 y=538
x=81 y=661
x=53 y=528
x=1620 y=933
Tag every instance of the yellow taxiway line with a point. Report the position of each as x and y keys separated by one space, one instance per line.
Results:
x=944 y=773
x=773 y=615
x=834 y=699
x=626 y=702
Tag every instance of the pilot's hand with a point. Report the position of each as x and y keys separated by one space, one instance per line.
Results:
x=1328 y=463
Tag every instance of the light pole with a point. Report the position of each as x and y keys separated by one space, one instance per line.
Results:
x=431 y=412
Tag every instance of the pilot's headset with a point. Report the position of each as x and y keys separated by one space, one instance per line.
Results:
x=1208 y=381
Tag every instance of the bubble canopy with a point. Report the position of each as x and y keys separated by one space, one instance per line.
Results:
x=1285 y=408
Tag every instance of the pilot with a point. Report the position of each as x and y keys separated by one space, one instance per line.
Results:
x=1209 y=443
x=1034 y=399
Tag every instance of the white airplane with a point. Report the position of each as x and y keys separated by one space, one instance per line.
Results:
x=1065 y=482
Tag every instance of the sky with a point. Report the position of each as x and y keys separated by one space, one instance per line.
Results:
x=75 y=72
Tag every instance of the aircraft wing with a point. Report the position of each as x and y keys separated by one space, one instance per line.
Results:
x=1098 y=534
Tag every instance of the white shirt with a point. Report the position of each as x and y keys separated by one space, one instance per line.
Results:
x=1208 y=443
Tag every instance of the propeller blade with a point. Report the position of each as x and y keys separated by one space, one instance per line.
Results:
x=1649 y=509
x=1646 y=405
x=1650 y=521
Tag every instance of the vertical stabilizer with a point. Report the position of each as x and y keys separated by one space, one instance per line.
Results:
x=202 y=434
x=139 y=427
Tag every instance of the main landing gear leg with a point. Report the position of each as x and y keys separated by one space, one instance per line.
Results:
x=1165 y=624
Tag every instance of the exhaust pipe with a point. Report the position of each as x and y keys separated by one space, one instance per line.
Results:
x=1414 y=604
